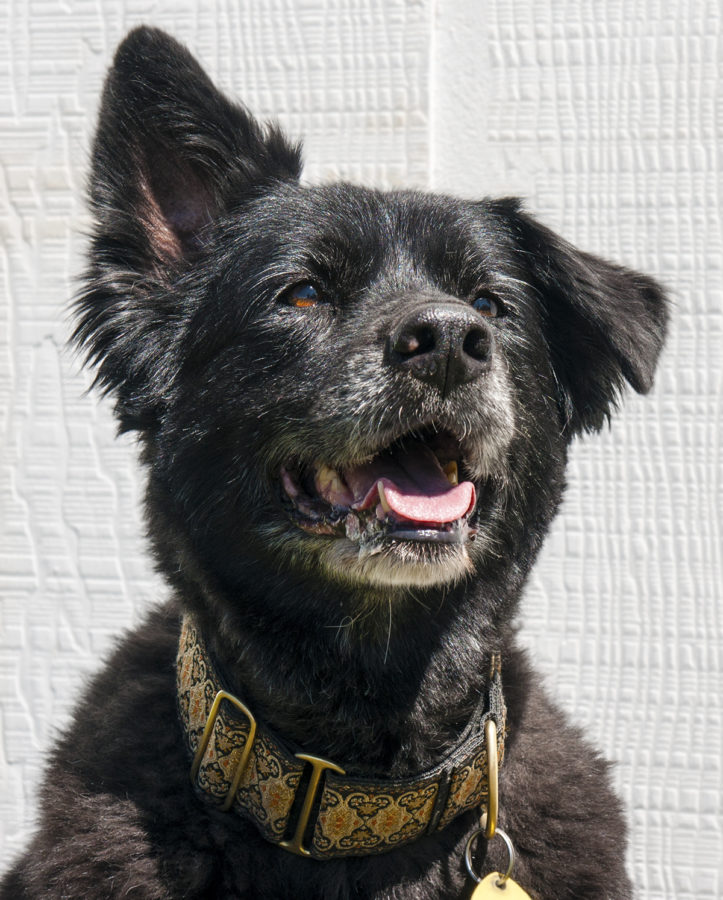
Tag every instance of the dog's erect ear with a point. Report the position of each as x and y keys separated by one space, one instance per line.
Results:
x=171 y=152
x=171 y=155
x=604 y=324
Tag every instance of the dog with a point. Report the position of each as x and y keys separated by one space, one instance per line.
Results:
x=354 y=409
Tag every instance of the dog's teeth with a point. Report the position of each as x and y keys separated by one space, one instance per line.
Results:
x=326 y=478
x=450 y=470
x=329 y=482
x=383 y=497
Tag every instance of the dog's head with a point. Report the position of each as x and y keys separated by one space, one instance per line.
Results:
x=365 y=389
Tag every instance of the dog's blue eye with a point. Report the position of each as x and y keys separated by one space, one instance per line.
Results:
x=302 y=295
x=487 y=306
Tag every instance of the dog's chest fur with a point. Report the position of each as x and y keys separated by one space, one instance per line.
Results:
x=354 y=409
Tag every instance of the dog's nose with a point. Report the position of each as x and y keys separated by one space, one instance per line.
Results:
x=446 y=345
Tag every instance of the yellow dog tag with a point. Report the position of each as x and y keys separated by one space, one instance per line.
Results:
x=488 y=888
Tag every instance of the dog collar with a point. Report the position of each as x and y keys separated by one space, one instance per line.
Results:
x=307 y=804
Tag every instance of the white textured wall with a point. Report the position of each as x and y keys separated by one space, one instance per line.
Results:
x=609 y=118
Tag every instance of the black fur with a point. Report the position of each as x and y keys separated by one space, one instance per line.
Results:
x=202 y=227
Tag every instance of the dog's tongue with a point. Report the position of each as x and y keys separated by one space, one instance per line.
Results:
x=414 y=486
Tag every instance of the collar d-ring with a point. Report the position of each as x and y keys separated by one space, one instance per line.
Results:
x=490 y=824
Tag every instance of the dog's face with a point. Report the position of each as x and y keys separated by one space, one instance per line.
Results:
x=374 y=390
x=363 y=350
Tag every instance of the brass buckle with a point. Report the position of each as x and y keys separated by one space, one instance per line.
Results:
x=206 y=737
x=294 y=844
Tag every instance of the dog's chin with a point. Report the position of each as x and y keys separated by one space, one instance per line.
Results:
x=396 y=563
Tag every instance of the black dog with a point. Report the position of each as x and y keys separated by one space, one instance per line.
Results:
x=354 y=408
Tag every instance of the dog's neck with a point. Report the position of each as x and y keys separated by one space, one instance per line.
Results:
x=387 y=696
x=238 y=763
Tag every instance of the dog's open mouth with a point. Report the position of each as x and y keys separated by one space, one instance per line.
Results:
x=410 y=491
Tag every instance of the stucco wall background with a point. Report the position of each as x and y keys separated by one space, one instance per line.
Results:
x=608 y=117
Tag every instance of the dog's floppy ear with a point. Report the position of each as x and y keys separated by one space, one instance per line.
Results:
x=604 y=324
x=171 y=155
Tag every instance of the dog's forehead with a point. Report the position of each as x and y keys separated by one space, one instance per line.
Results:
x=342 y=223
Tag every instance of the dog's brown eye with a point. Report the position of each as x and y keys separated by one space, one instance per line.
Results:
x=302 y=295
x=487 y=306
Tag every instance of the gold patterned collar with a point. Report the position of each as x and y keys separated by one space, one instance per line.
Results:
x=306 y=804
